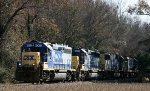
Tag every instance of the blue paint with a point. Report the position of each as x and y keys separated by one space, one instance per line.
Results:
x=50 y=64
x=50 y=60
x=58 y=56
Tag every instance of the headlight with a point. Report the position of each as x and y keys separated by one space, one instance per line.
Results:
x=19 y=64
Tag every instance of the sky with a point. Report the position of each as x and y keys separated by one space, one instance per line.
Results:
x=124 y=5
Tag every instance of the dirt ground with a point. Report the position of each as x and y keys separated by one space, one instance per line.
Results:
x=76 y=86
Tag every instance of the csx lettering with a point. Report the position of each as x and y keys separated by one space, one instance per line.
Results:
x=29 y=58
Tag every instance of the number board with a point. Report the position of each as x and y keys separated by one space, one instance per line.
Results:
x=34 y=45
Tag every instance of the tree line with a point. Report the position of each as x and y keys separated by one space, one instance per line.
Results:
x=77 y=23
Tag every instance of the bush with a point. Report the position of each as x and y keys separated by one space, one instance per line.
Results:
x=2 y=75
x=143 y=62
x=5 y=75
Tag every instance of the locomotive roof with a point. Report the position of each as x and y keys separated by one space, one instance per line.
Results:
x=46 y=44
x=80 y=50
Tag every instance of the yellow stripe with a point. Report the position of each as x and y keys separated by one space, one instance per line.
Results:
x=48 y=69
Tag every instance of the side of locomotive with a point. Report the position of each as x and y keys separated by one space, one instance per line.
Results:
x=44 y=62
x=117 y=67
x=111 y=65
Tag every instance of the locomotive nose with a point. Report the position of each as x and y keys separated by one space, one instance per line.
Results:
x=30 y=58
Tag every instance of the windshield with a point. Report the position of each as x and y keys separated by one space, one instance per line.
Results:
x=31 y=49
x=107 y=57
x=79 y=53
x=34 y=49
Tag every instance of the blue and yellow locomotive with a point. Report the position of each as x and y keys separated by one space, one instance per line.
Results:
x=44 y=61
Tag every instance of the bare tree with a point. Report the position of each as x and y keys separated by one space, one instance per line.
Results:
x=6 y=22
x=142 y=8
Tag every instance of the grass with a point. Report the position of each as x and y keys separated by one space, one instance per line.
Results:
x=77 y=86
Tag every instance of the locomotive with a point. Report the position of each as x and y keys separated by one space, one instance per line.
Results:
x=43 y=61
x=118 y=67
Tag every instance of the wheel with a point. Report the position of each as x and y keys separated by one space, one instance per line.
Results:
x=82 y=77
x=77 y=76
x=15 y=81
x=73 y=76
x=39 y=82
x=68 y=77
x=32 y=82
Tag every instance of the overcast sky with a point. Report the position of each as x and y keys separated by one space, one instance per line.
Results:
x=124 y=4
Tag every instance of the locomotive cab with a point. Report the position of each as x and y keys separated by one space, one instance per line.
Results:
x=29 y=67
x=79 y=57
x=89 y=63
